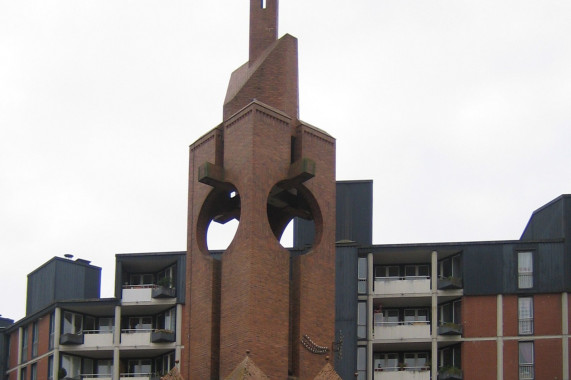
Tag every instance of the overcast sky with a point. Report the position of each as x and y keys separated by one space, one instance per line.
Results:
x=460 y=111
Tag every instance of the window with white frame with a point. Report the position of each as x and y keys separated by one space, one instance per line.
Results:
x=72 y=323
x=526 y=364
x=525 y=270
x=416 y=315
x=386 y=362
x=140 y=324
x=450 y=312
x=415 y=361
x=384 y=271
x=105 y=325
x=525 y=315
x=140 y=367
x=72 y=365
x=421 y=270
x=390 y=316
x=450 y=267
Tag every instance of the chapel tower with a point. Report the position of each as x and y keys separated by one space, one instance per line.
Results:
x=263 y=167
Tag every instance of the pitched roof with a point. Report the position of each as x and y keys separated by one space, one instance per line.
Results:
x=327 y=373
x=247 y=370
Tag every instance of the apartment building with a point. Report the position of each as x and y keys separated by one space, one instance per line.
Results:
x=71 y=333
x=470 y=310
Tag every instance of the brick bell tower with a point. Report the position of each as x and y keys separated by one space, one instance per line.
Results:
x=263 y=167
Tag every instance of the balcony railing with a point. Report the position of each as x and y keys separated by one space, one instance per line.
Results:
x=147 y=293
x=402 y=330
x=525 y=326
x=449 y=328
x=138 y=376
x=400 y=373
x=402 y=285
x=526 y=372
x=450 y=373
x=449 y=283
x=525 y=280
x=96 y=376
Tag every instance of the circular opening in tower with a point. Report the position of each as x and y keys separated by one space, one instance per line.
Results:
x=218 y=220
x=294 y=217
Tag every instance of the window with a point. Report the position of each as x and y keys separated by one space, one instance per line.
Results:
x=166 y=277
x=52 y=329
x=105 y=368
x=386 y=362
x=417 y=271
x=387 y=271
x=451 y=267
x=525 y=315
x=525 y=270
x=89 y=325
x=451 y=312
x=35 y=333
x=264 y=4
x=140 y=367
x=72 y=365
x=50 y=368
x=23 y=375
x=105 y=325
x=141 y=279
x=34 y=371
x=361 y=363
x=362 y=320
x=166 y=320
x=450 y=357
x=141 y=324
x=415 y=361
x=164 y=363
x=416 y=315
x=391 y=316
x=362 y=275
x=25 y=344
x=526 y=371
x=72 y=323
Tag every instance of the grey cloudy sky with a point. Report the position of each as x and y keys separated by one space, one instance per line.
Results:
x=458 y=110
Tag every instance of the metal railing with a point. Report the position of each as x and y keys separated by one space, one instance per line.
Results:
x=525 y=280
x=402 y=323
x=526 y=372
x=401 y=278
x=525 y=326
x=403 y=368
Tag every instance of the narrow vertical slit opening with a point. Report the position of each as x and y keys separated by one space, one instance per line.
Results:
x=264 y=4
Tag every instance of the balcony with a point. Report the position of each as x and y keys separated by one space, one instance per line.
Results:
x=449 y=283
x=71 y=339
x=147 y=293
x=526 y=372
x=96 y=376
x=163 y=292
x=143 y=337
x=450 y=373
x=163 y=336
x=400 y=374
x=138 y=376
x=402 y=285
x=402 y=330
x=449 y=328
